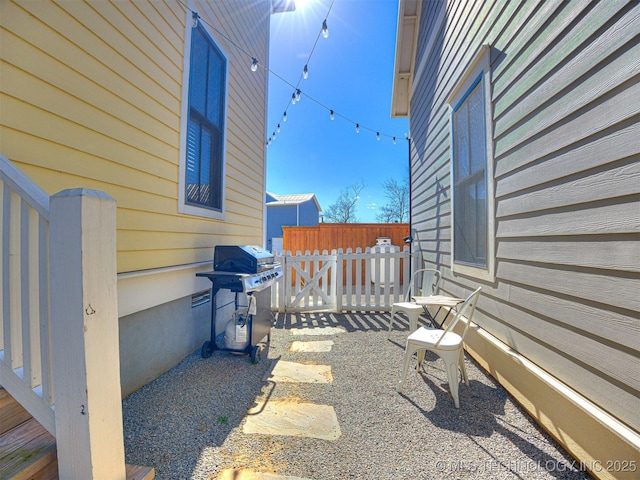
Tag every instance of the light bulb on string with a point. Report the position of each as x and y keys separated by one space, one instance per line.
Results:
x=298 y=95
x=378 y=136
x=284 y=117
x=278 y=128
x=357 y=128
x=254 y=64
x=194 y=19
x=332 y=115
x=305 y=72
x=325 y=29
x=293 y=99
x=394 y=140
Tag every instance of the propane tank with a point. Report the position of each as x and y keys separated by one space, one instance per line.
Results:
x=236 y=332
x=383 y=244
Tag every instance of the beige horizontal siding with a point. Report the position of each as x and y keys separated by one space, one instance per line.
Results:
x=92 y=96
x=565 y=83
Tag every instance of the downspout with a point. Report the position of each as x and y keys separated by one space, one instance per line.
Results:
x=411 y=239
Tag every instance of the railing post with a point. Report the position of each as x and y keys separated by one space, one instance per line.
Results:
x=85 y=343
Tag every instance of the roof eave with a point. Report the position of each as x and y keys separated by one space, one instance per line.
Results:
x=404 y=66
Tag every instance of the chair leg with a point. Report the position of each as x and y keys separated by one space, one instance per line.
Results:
x=393 y=314
x=463 y=369
x=408 y=353
x=413 y=321
x=420 y=357
x=452 y=364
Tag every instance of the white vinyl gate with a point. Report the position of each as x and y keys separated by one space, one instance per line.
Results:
x=369 y=280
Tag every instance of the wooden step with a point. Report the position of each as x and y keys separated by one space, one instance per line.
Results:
x=28 y=451
x=140 y=473
x=11 y=412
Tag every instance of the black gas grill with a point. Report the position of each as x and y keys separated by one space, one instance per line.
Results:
x=240 y=299
x=242 y=259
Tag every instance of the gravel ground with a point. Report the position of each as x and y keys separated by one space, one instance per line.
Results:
x=187 y=424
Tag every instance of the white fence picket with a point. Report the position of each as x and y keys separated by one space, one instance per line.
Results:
x=369 y=280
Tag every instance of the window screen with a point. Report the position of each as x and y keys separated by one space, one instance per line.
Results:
x=469 y=182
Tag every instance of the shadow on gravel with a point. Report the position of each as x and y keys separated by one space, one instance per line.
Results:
x=483 y=415
x=350 y=321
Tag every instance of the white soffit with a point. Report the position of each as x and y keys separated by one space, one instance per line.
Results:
x=406 y=41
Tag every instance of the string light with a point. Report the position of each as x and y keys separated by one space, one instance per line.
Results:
x=296 y=96
x=325 y=29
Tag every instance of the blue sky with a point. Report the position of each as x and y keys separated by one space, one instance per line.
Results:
x=350 y=72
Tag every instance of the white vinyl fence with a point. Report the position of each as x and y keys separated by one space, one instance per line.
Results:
x=369 y=280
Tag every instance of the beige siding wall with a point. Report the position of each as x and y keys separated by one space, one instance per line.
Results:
x=92 y=97
x=565 y=88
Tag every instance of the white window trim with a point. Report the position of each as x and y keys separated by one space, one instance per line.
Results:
x=183 y=207
x=480 y=65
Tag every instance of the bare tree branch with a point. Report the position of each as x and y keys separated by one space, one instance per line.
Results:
x=396 y=210
x=344 y=209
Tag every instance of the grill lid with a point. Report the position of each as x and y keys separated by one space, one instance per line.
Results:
x=241 y=258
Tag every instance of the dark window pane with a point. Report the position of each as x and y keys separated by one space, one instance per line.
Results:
x=193 y=161
x=214 y=100
x=204 y=162
x=205 y=170
x=198 y=73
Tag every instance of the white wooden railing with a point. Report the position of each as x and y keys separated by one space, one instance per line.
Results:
x=25 y=338
x=59 y=346
x=369 y=280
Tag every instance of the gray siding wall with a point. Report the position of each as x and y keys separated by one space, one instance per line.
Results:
x=566 y=138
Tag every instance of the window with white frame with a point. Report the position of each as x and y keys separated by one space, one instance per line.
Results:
x=470 y=180
x=472 y=171
x=203 y=127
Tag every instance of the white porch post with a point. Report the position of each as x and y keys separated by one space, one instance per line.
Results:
x=85 y=344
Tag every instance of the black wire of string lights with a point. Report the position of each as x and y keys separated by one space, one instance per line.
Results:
x=297 y=92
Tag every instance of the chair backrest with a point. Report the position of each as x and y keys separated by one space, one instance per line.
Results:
x=424 y=282
x=466 y=310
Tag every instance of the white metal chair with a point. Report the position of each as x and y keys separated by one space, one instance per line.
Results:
x=430 y=280
x=447 y=344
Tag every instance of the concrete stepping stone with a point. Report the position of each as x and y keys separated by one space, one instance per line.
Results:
x=241 y=474
x=294 y=419
x=285 y=371
x=313 y=347
x=318 y=331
